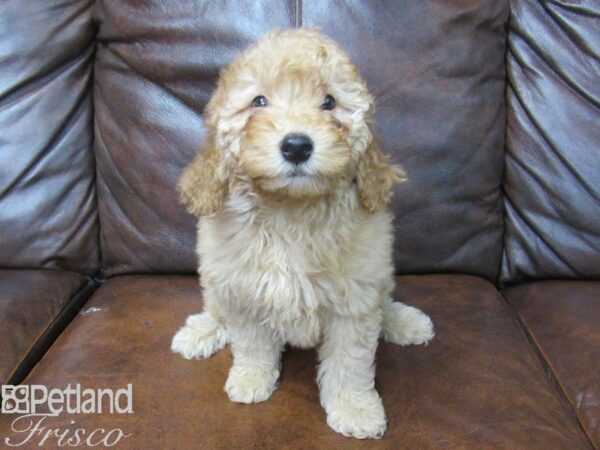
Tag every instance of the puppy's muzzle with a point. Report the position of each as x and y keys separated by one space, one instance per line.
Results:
x=296 y=148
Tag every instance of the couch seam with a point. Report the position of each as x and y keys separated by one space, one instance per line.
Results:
x=298 y=13
x=504 y=148
x=99 y=274
x=78 y=299
x=547 y=367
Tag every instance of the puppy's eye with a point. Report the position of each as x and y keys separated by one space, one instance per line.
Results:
x=329 y=103
x=259 y=102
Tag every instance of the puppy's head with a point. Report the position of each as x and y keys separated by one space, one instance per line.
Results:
x=291 y=116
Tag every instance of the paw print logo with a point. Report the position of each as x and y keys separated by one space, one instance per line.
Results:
x=15 y=399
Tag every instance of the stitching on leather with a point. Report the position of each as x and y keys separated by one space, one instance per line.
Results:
x=298 y=14
x=503 y=253
x=546 y=366
x=82 y=294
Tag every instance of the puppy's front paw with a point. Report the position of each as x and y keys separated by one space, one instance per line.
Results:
x=358 y=415
x=405 y=325
x=200 y=337
x=247 y=384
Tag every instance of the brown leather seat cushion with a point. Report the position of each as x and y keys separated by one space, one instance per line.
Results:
x=30 y=301
x=477 y=385
x=563 y=319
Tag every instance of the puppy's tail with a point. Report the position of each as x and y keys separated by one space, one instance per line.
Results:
x=405 y=325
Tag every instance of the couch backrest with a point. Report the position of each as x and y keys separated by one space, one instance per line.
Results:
x=552 y=176
x=48 y=216
x=436 y=69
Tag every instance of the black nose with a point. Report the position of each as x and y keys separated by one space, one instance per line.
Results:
x=296 y=148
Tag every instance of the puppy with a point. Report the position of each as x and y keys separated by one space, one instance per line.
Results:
x=294 y=238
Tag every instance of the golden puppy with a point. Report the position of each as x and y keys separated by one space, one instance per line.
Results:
x=294 y=238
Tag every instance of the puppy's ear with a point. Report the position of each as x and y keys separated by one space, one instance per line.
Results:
x=375 y=178
x=204 y=183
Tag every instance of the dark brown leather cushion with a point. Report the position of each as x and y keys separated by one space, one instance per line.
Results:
x=30 y=300
x=48 y=211
x=563 y=319
x=436 y=68
x=551 y=175
x=477 y=385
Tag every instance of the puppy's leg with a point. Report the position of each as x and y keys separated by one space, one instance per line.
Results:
x=203 y=334
x=346 y=376
x=405 y=325
x=256 y=362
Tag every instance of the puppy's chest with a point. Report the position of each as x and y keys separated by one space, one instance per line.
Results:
x=275 y=267
x=295 y=257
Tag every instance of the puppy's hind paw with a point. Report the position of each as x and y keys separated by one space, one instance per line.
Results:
x=200 y=337
x=360 y=416
x=405 y=325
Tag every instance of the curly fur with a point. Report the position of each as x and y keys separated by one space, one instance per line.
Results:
x=203 y=185
x=296 y=255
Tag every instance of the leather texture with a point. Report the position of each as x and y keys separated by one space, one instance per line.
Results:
x=476 y=385
x=562 y=319
x=552 y=200
x=30 y=300
x=437 y=70
x=48 y=215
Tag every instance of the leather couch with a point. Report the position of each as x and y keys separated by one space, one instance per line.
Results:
x=491 y=106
